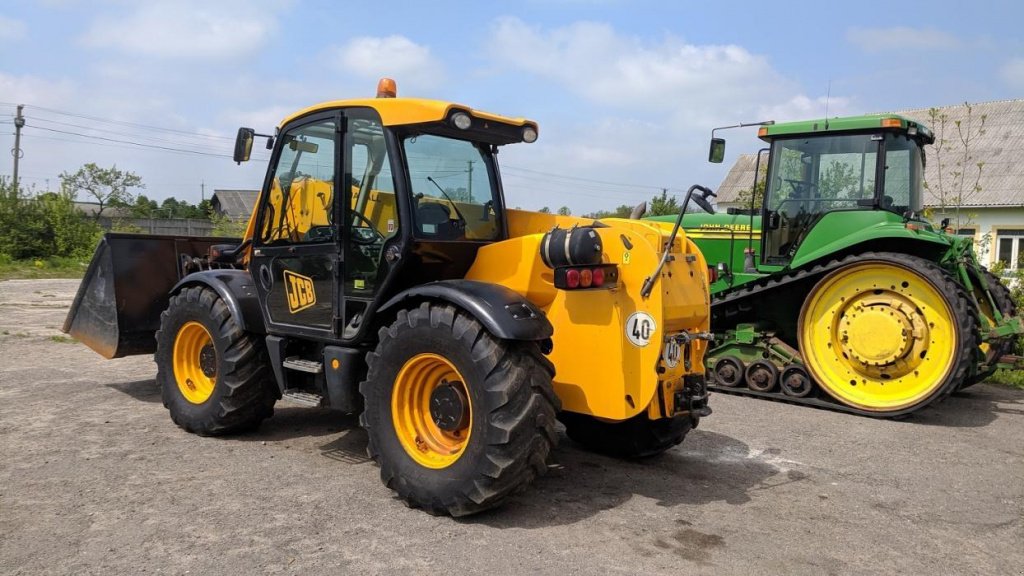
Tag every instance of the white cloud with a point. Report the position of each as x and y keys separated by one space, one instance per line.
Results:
x=803 y=108
x=690 y=85
x=36 y=91
x=643 y=109
x=1013 y=73
x=410 y=64
x=186 y=30
x=900 y=38
x=11 y=29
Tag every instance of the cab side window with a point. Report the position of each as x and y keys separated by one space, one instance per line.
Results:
x=299 y=206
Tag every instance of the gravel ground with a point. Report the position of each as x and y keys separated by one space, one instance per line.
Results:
x=95 y=479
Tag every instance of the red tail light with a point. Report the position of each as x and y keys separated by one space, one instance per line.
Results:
x=586 y=277
x=712 y=274
x=572 y=278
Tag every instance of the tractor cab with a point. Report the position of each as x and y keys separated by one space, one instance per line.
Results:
x=824 y=170
x=419 y=194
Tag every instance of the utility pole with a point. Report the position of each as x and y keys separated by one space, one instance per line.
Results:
x=470 y=188
x=202 y=193
x=19 y=121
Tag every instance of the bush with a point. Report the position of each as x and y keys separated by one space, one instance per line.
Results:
x=45 y=226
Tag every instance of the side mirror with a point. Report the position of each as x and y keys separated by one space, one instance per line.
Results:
x=243 y=144
x=717 y=152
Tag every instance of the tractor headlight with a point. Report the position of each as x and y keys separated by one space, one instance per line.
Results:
x=461 y=120
x=529 y=134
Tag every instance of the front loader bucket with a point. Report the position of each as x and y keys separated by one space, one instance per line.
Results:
x=117 y=309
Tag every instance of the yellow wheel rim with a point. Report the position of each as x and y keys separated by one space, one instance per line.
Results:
x=195 y=362
x=878 y=336
x=415 y=424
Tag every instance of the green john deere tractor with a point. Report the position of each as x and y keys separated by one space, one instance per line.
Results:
x=835 y=292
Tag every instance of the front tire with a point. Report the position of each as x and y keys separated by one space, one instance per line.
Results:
x=457 y=419
x=214 y=377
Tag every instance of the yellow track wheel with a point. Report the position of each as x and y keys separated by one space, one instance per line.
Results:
x=879 y=336
x=431 y=410
x=195 y=362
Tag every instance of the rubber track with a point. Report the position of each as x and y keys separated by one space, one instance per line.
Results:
x=964 y=311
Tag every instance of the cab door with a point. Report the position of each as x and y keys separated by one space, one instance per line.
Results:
x=297 y=261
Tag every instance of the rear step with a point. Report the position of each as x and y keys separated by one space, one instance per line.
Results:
x=304 y=398
x=303 y=365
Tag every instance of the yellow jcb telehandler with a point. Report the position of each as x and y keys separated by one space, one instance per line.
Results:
x=459 y=329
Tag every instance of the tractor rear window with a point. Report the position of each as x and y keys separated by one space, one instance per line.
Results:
x=453 y=187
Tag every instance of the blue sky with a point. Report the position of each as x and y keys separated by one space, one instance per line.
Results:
x=625 y=92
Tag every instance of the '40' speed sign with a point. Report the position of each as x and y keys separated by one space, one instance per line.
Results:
x=640 y=328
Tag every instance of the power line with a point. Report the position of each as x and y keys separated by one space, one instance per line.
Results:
x=92 y=136
x=116 y=133
x=125 y=123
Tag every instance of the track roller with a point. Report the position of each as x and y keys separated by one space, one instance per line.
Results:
x=796 y=382
x=729 y=371
x=762 y=376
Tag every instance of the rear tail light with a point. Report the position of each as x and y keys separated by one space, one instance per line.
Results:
x=712 y=274
x=586 y=277
x=572 y=278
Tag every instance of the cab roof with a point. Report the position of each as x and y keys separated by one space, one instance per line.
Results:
x=401 y=111
x=846 y=124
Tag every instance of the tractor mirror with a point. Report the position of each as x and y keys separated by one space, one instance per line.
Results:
x=717 y=152
x=243 y=144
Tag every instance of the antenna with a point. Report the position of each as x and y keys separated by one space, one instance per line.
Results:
x=828 y=94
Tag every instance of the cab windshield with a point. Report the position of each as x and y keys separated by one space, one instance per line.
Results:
x=455 y=196
x=813 y=175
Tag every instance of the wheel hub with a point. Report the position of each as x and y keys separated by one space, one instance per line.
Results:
x=208 y=361
x=448 y=407
x=877 y=331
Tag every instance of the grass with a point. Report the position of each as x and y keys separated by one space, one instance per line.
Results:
x=49 y=268
x=61 y=339
x=1010 y=378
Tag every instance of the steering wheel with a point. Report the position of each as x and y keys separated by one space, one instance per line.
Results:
x=799 y=186
x=374 y=237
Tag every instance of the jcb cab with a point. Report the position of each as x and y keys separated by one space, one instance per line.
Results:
x=382 y=273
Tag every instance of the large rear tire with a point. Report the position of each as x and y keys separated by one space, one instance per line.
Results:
x=888 y=333
x=214 y=377
x=637 y=437
x=457 y=419
x=992 y=351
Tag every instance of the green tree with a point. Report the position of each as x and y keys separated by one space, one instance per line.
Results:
x=545 y=210
x=663 y=204
x=564 y=211
x=224 y=226
x=45 y=226
x=622 y=211
x=104 y=185
x=839 y=181
x=142 y=207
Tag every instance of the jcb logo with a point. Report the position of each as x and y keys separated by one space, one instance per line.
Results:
x=300 y=291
